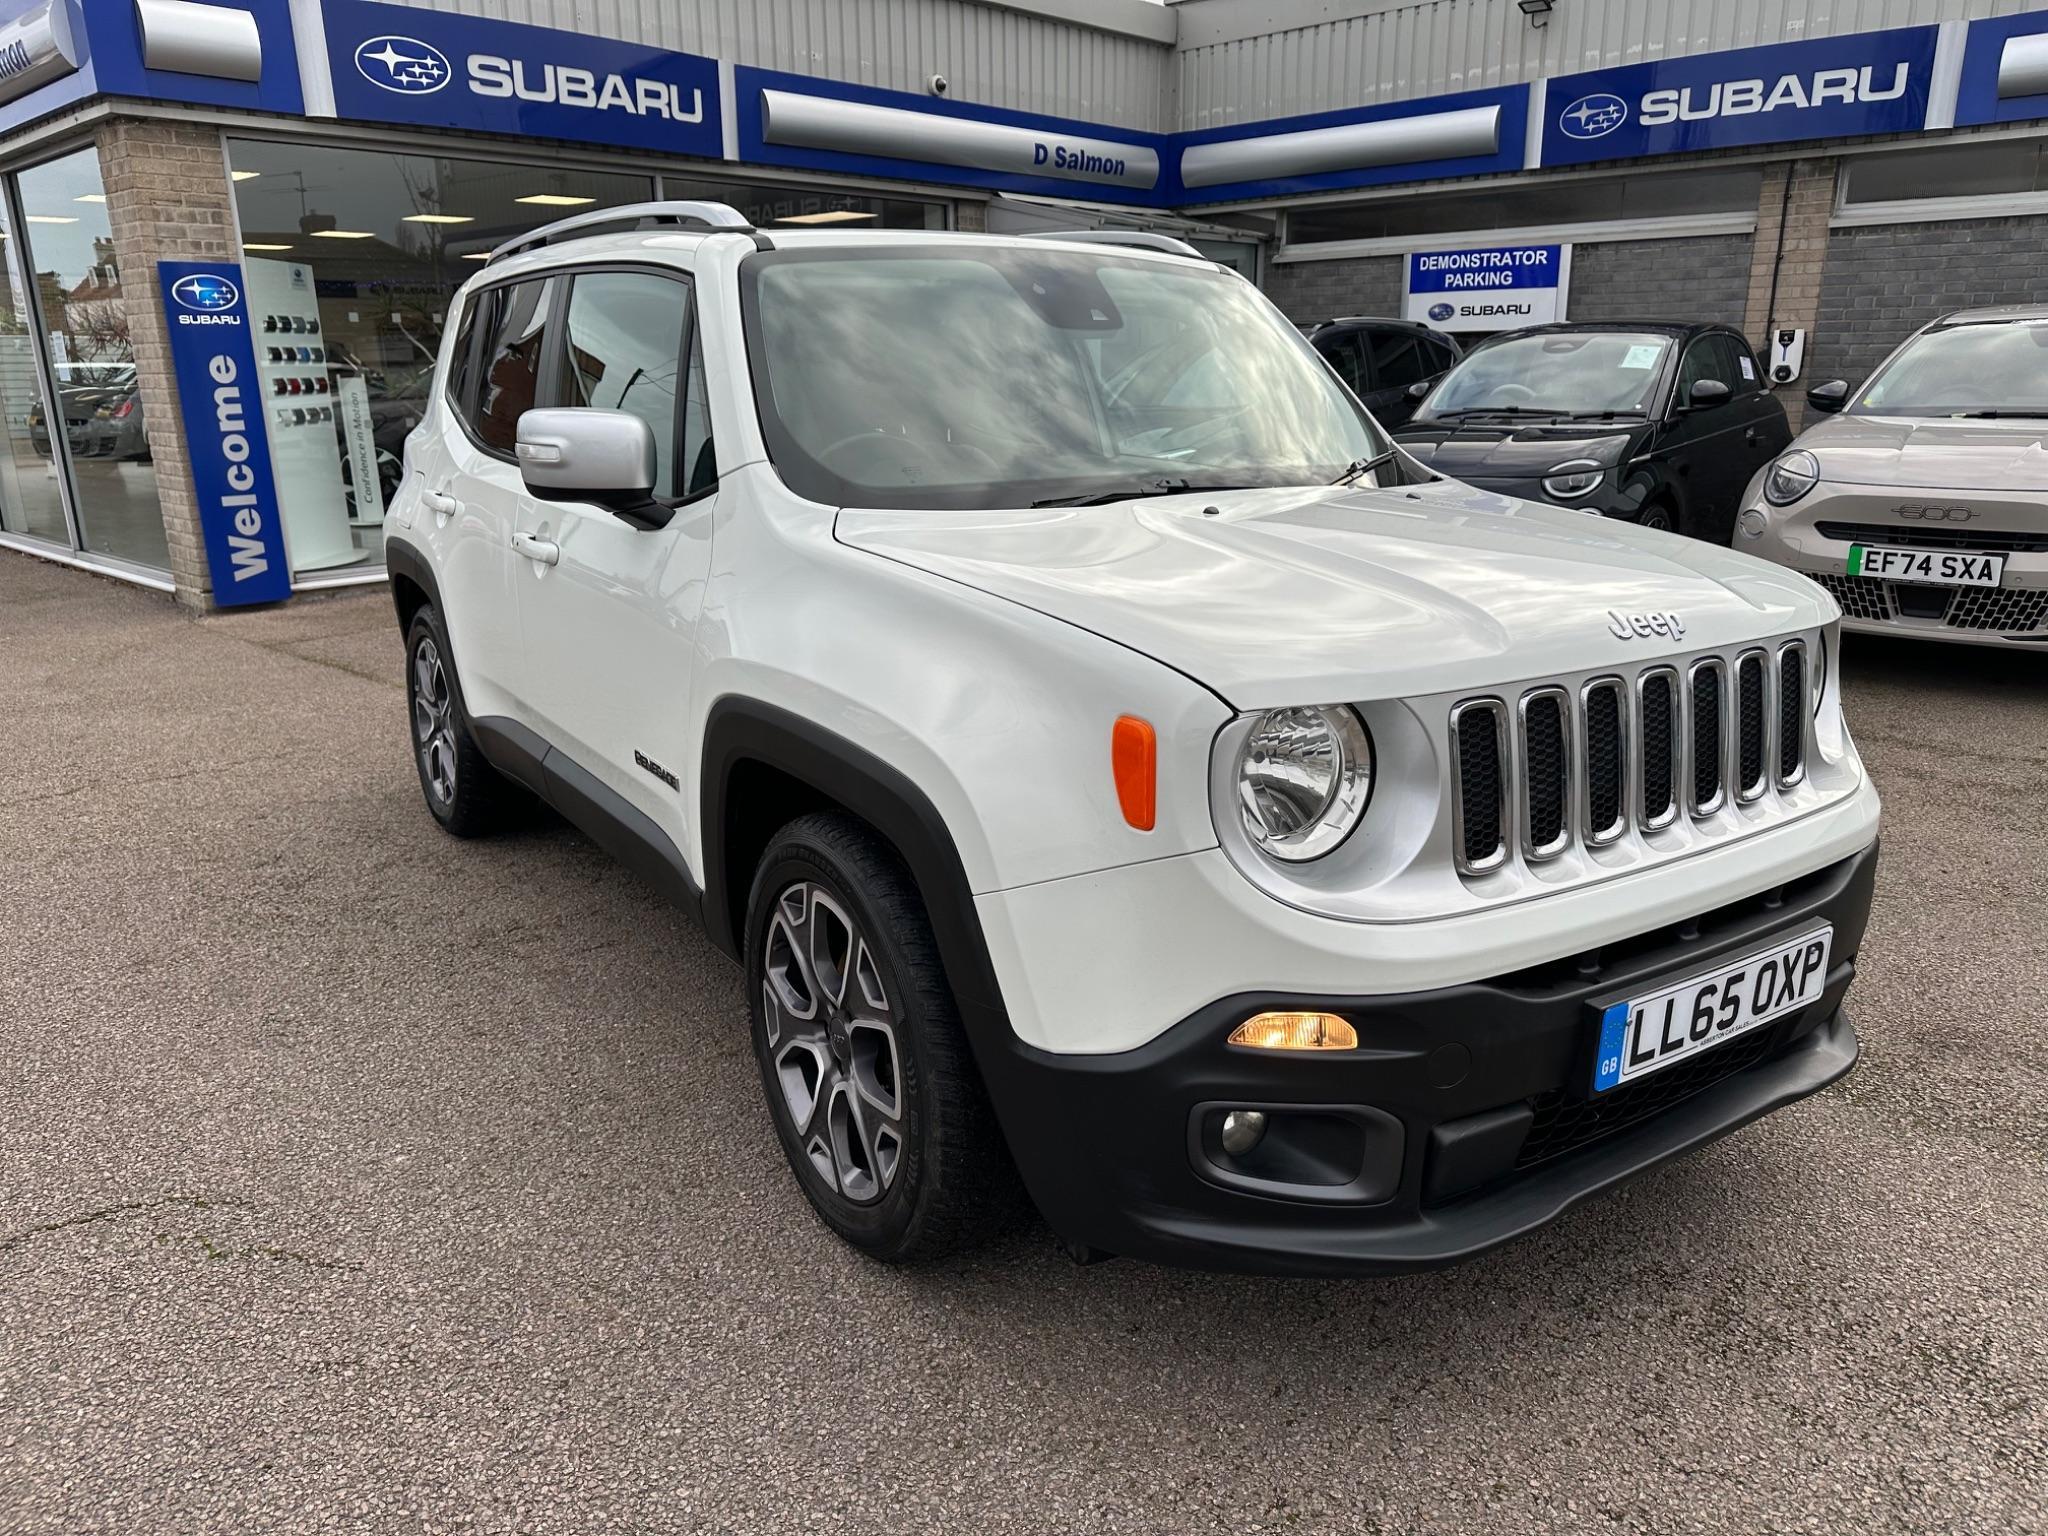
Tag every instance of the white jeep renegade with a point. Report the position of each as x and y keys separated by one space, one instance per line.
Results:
x=1107 y=755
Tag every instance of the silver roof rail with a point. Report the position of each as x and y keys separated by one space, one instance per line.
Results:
x=689 y=215
x=1143 y=238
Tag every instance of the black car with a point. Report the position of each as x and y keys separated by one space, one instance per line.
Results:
x=1659 y=424
x=1383 y=361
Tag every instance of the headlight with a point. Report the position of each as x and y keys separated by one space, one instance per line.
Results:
x=1578 y=478
x=1791 y=477
x=1303 y=778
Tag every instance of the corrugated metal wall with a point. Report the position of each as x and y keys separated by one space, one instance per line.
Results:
x=990 y=56
x=1431 y=47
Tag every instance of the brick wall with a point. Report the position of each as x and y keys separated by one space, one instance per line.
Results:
x=168 y=200
x=1695 y=279
x=1885 y=282
x=1322 y=290
x=1799 y=258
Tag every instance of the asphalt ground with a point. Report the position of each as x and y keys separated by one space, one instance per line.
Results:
x=353 y=1178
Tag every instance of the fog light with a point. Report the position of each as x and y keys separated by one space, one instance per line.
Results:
x=1242 y=1129
x=1295 y=1032
x=1752 y=523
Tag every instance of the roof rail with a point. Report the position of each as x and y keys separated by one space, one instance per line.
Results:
x=692 y=215
x=1143 y=238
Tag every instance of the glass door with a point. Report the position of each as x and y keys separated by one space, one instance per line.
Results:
x=31 y=464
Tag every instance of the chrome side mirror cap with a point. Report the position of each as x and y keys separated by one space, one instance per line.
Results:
x=584 y=454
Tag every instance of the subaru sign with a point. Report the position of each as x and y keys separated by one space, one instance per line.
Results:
x=221 y=400
x=1819 y=88
x=441 y=69
x=1491 y=288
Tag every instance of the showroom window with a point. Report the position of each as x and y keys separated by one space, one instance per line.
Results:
x=69 y=254
x=1544 y=205
x=31 y=500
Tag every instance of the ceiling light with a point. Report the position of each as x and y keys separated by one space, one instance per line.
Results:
x=50 y=218
x=476 y=255
x=343 y=234
x=829 y=216
x=90 y=197
x=439 y=218
x=555 y=200
x=251 y=245
x=244 y=175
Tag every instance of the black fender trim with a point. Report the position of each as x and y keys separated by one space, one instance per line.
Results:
x=600 y=812
x=401 y=558
x=738 y=730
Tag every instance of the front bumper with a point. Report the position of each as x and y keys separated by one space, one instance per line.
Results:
x=1467 y=1108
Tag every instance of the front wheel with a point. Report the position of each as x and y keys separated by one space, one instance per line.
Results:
x=868 y=1077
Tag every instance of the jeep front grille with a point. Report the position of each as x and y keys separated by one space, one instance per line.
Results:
x=1546 y=770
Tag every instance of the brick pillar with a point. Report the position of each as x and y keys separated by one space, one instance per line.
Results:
x=1799 y=262
x=168 y=200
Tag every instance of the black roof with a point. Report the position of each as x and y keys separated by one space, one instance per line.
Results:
x=1390 y=322
x=1665 y=327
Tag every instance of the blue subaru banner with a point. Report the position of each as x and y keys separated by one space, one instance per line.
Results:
x=1488 y=288
x=221 y=400
x=407 y=64
x=1819 y=88
x=2005 y=70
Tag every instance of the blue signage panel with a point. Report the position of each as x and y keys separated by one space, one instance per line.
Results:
x=116 y=43
x=404 y=64
x=1821 y=88
x=2005 y=70
x=1487 y=288
x=1471 y=133
x=221 y=400
x=829 y=125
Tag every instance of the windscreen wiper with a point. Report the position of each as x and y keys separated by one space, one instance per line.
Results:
x=2016 y=415
x=1358 y=468
x=1136 y=492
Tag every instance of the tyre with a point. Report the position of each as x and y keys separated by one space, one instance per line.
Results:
x=863 y=1060
x=466 y=794
x=1656 y=515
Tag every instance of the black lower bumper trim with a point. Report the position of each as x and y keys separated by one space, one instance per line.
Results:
x=1121 y=1152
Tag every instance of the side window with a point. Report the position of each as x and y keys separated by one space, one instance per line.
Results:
x=1745 y=376
x=1442 y=359
x=1396 y=360
x=509 y=379
x=623 y=351
x=699 y=458
x=1344 y=355
x=1707 y=359
x=461 y=361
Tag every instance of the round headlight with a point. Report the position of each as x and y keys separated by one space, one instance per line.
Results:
x=1303 y=777
x=1791 y=477
x=1580 y=477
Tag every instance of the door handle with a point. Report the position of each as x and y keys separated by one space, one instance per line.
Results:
x=545 y=551
x=440 y=503
x=1752 y=435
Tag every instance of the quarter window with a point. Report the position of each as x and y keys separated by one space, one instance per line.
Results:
x=515 y=322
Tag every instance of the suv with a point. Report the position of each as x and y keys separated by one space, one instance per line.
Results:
x=1388 y=364
x=1924 y=507
x=1108 y=756
x=1661 y=425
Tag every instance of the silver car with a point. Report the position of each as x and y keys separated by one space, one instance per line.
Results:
x=1923 y=505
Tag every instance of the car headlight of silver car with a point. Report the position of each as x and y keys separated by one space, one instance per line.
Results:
x=1304 y=776
x=1576 y=478
x=1791 y=477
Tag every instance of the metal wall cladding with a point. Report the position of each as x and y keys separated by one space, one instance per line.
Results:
x=989 y=56
x=1232 y=69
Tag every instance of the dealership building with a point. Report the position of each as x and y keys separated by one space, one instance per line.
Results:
x=290 y=192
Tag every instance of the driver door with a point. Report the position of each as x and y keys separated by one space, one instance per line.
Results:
x=609 y=608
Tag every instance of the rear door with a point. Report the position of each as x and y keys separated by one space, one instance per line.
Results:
x=610 y=620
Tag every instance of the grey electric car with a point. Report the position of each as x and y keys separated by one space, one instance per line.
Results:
x=1923 y=503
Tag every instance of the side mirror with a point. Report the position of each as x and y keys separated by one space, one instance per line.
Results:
x=1708 y=393
x=1420 y=389
x=584 y=454
x=1829 y=397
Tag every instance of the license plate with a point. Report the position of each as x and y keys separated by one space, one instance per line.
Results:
x=1651 y=1033
x=1942 y=567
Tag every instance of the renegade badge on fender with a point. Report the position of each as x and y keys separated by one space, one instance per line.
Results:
x=1107 y=753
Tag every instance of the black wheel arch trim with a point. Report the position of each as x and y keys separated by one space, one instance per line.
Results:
x=738 y=730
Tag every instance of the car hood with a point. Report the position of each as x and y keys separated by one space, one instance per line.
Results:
x=1501 y=451
x=1326 y=594
x=1931 y=452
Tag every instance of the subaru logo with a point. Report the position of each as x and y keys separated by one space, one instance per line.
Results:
x=1442 y=311
x=207 y=292
x=1593 y=117
x=403 y=64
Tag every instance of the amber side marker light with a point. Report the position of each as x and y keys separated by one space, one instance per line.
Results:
x=1134 y=757
x=1295 y=1032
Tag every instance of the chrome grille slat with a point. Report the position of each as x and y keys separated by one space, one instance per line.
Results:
x=1538 y=772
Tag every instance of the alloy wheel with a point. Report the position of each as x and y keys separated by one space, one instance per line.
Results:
x=831 y=1033
x=433 y=720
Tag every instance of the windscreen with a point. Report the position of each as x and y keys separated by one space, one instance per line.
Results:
x=1967 y=368
x=1563 y=372
x=994 y=376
